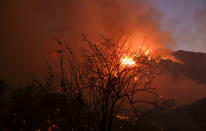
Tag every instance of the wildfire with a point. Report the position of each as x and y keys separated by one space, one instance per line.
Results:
x=148 y=53
x=127 y=61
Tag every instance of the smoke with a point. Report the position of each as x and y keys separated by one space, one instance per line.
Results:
x=27 y=29
x=181 y=88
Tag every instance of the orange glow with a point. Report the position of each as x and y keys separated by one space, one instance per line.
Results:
x=54 y=54
x=146 y=52
x=122 y=117
x=127 y=61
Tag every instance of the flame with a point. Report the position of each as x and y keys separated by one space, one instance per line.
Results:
x=146 y=52
x=127 y=61
x=122 y=117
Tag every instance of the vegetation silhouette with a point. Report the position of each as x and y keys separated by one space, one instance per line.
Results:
x=96 y=92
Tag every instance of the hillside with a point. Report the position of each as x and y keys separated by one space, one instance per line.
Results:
x=185 y=82
x=185 y=118
x=194 y=65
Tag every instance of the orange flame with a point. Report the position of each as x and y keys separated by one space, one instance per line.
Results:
x=147 y=52
x=127 y=61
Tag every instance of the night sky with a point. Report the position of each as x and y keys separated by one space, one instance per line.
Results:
x=185 y=19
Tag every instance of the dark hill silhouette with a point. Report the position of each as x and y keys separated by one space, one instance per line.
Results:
x=194 y=65
x=184 y=82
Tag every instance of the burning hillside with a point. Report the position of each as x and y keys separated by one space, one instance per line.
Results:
x=184 y=82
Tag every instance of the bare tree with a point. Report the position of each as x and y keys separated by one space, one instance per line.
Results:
x=114 y=76
x=107 y=81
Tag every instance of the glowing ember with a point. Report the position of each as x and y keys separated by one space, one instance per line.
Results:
x=122 y=117
x=127 y=61
x=146 y=52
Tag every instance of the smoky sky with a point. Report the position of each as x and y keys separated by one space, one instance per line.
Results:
x=28 y=27
x=181 y=88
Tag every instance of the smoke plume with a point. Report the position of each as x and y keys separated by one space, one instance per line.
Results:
x=28 y=27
